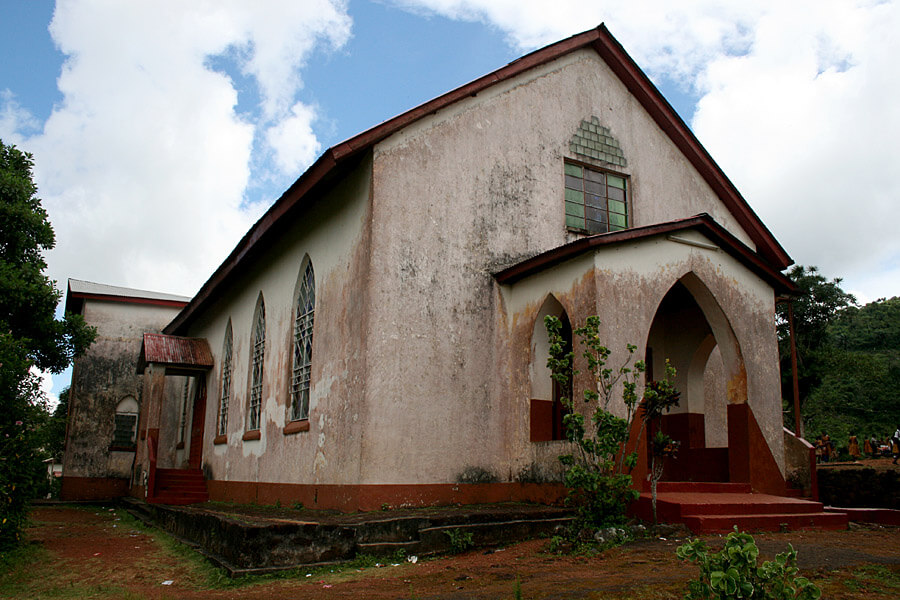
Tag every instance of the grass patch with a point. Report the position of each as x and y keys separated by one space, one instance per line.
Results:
x=17 y=568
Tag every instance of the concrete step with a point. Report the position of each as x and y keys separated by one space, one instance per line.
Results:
x=439 y=539
x=702 y=524
x=179 y=499
x=702 y=487
x=389 y=548
x=180 y=487
x=726 y=504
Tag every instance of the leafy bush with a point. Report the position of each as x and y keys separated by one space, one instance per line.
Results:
x=732 y=573
x=460 y=540
x=597 y=474
x=597 y=485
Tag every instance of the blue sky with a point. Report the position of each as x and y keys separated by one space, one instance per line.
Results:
x=146 y=118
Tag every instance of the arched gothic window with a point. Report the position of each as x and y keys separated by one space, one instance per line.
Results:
x=225 y=395
x=303 y=337
x=257 y=358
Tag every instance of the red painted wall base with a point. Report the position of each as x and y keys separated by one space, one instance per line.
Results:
x=351 y=498
x=92 y=488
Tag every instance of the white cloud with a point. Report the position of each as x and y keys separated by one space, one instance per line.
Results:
x=797 y=104
x=293 y=140
x=46 y=385
x=15 y=120
x=144 y=164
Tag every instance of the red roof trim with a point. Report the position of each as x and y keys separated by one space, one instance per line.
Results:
x=615 y=56
x=129 y=299
x=702 y=223
x=668 y=120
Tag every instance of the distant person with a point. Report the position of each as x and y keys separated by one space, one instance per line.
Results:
x=868 y=447
x=826 y=448
x=854 y=448
x=895 y=445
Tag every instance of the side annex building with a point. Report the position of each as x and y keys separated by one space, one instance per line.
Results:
x=377 y=337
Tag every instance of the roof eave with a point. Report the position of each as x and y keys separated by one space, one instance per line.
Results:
x=702 y=223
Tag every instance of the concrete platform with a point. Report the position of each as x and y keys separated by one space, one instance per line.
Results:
x=246 y=540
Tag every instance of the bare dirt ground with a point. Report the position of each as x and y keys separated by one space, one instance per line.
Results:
x=92 y=552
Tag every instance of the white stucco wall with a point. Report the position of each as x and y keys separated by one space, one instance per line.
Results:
x=101 y=378
x=459 y=195
x=332 y=234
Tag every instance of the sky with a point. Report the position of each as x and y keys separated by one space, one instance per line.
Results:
x=161 y=130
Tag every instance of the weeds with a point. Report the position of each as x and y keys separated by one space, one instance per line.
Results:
x=460 y=540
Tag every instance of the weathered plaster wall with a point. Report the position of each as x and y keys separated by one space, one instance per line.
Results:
x=333 y=234
x=101 y=379
x=631 y=280
x=457 y=196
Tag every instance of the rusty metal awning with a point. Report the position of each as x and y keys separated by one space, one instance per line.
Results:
x=174 y=351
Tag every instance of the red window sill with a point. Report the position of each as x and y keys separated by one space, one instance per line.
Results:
x=251 y=435
x=296 y=427
x=220 y=439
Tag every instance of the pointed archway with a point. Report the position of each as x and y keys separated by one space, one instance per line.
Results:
x=547 y=409
x=691 y=330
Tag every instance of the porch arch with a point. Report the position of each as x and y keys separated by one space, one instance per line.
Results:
x=688 y=328
x=546 y=411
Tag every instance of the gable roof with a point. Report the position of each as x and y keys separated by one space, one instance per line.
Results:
x=78 y=291
x=703 y=223
x=344 y=156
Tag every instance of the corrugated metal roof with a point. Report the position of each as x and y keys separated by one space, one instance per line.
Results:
x=77 y=286
x=174 y=351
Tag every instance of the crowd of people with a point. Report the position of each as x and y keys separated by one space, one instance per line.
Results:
x=873 y=447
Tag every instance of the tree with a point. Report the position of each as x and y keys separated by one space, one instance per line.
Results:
x=818 y=303
x=30 y=336
x=860 y=373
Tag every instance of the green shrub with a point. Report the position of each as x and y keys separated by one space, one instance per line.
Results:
x=597 y=472
x=732 y=573
x=460 y=540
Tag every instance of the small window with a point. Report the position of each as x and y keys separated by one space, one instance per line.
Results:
x=125 y=429
x=257 y=358
x=225 y=396
x=303 y=337
x=596 y=201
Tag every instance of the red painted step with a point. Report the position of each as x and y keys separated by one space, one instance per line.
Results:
x=766 y=522
x=718 y=507
x=179 y=486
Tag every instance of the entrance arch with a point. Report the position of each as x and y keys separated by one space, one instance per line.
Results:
x=691 y=330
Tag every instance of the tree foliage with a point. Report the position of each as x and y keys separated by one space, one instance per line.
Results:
x=817 y=304
x=860 y=374
x=848 y=359
x=30 y=336
x=597 y=472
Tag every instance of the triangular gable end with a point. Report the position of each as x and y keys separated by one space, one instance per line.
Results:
x=344 y=155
